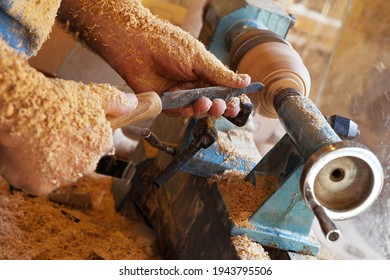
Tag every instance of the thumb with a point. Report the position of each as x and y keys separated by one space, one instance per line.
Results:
x=114 y=101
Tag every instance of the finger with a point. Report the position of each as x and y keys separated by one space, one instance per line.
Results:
x=202 y=105
x=114 y=101
x=232 y=107
x=218 y=107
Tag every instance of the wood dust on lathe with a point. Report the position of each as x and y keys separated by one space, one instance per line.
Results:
x=235 y=144
x=249 y=250
x=36 y=228
x=242 y=199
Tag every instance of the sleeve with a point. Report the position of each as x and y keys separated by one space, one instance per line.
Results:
x=25 y=25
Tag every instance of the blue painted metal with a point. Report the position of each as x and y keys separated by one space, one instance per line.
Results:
x=14 y=33
x=286 y=208
x=280 y=162
x=212 y=160
x=261 y=18
x=305 y=124
x=283 y=221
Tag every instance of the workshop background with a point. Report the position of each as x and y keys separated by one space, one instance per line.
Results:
x=345 y=44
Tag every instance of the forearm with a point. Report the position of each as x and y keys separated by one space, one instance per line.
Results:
x=96 y=23
x=51 y=130
x=131 y=39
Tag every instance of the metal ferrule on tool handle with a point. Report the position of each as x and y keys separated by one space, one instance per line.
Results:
x=340 y=179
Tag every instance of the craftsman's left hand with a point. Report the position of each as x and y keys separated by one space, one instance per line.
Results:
x=52 y=131
x=151 y=54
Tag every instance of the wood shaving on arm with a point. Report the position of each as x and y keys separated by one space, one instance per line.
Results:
x=131 y=31
x=60 y=124
x=37 y=16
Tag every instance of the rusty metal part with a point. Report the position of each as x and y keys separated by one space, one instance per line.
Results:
x=204 y=134
x=152 y=139
x=246 y=108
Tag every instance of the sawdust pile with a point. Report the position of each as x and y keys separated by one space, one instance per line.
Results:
x=249 y=250
x=35 y=228
x=241 y=198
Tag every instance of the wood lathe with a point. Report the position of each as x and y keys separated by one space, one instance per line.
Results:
x=314 y=171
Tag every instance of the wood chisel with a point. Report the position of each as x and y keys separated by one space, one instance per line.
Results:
x=150 y=104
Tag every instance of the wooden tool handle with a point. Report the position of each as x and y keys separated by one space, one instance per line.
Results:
x=149 y=106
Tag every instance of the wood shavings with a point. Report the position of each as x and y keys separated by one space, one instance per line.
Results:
x=241 y=198
x=238 y=143
x=248 y=249
x=37 y=15
x=315 y=120
x=35 y=228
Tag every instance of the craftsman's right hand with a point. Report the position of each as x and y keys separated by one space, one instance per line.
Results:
x=151 y=54
x=52 y=131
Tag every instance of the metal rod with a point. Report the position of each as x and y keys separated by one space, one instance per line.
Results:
x=155 y=142
x=177 y=163
x=328 y=227
x=204 y=134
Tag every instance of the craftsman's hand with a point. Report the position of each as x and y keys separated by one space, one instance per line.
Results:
x=52 y=131
x=151 y=54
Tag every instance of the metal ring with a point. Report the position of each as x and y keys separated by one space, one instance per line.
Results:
x=361 y=193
